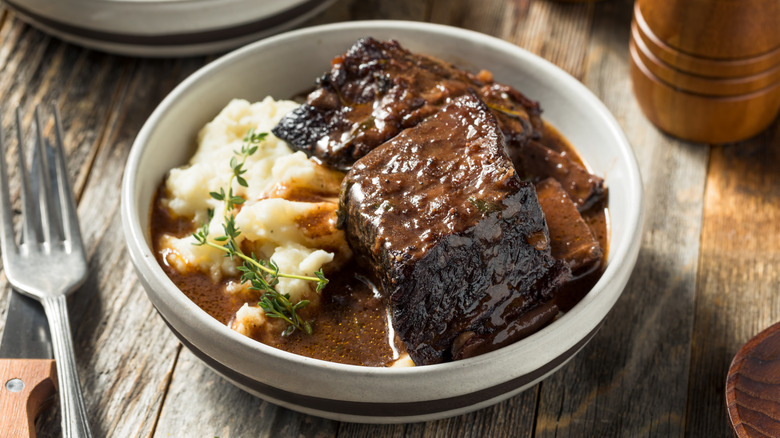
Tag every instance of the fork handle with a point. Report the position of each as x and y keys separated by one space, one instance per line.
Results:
x=28 y=385
x=74 y=414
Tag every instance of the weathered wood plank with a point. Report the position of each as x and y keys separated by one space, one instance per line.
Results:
x=85 y=112
x=558 y=32
x=132 y=347
x=125 y=353
x=511 y=418
x=38 y=69
x=6 y=25
x=739 y=271
x=497 y=18
x=639 y=376
x=200 y=401
x=631 y=380
x=27 y=47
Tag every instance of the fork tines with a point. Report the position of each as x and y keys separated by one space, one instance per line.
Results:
x=47 y=204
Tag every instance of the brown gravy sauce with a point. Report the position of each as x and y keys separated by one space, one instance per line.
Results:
x=597 y=218
x=351 y=321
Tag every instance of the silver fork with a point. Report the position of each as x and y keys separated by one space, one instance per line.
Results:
x=49 y=261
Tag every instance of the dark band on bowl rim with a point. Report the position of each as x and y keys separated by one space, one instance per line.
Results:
x=172 y=39
x=385 y=410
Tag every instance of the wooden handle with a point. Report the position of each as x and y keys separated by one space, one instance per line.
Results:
x=26 y=387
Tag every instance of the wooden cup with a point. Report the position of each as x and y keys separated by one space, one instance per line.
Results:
x=695 y=83
x=717 y=29
x=707 y=70
x=702 y=118
x=697 y=64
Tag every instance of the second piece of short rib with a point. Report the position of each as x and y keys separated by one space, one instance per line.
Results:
x=378 y=88
x=457 y=240
x=571 y=239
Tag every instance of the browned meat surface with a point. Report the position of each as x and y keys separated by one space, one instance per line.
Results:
x=517 y=115
x=537 y=162
x=377 y=89
x=458 y=241
x=570 y=237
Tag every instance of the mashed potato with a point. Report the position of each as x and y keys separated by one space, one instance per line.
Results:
x=289 y=215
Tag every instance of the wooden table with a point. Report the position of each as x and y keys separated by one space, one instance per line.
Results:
x=706 y=280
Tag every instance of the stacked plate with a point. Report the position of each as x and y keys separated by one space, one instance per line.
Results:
x=165 y=27
x=707 y=70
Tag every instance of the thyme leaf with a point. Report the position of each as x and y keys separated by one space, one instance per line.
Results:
x=484 y=206
x=262 y=275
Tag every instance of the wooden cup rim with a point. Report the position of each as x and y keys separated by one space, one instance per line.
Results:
x=699 y=65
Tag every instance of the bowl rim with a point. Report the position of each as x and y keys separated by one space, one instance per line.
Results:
x=627 y=251
x=113 y=19
x=225 y=24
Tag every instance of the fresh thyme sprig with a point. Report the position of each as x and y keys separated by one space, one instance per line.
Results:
x=262 y=275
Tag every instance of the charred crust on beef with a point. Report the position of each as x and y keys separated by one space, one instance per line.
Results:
x=378 y=88
x=450 y=269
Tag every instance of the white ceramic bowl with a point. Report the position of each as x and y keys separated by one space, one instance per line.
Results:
x=283 y=66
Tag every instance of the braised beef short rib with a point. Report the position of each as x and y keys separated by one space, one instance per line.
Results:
x=378 y=88
x=458 y=241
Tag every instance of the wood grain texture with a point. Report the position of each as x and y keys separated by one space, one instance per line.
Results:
x=558 y=32
x=26 y=387
x=125 y=353
x=697 y=27
x=753 y=386
x=703 y=118
x=699 y=109
x=126 y=344
x=226 y=411
x=739 y=272
x=698 y=65
x=631 y=379
x=684 y=74
x=715 y=84
x=705 y=281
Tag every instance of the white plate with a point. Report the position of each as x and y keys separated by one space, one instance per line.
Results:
x=165 y=27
